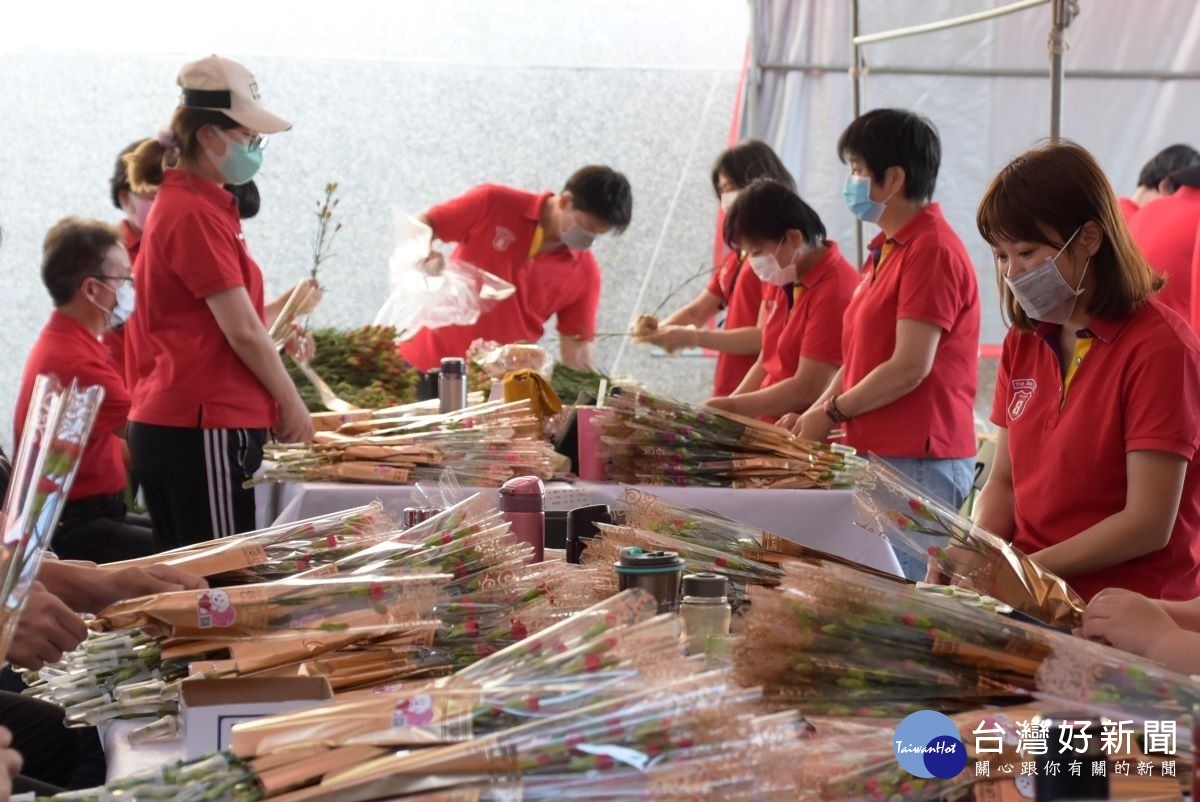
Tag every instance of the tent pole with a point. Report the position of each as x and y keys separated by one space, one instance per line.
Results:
x=856 y=93
x=753 y=77
x=1062 y=11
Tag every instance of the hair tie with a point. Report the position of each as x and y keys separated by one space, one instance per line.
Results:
x=166 y=138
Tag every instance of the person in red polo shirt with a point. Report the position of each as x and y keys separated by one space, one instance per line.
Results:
x=135 y=206
x=1098 y=392
x=85 y=267
x=1165 y=231
x=910 y=337
x=1153 y=180
x=539 y=243
x=207 y=382
x=733 y=287
x=806 y=287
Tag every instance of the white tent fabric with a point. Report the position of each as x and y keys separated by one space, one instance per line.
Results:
x=983 y=120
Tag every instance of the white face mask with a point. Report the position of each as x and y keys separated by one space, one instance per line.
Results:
x=1042 y=291
x=123 y=308
x=727 y=199
x=577 y=238
x=766 y=266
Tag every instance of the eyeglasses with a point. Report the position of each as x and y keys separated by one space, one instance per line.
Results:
x=112 y=278
x=254 y=141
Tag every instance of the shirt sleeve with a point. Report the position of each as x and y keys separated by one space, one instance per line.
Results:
x=453 y=220
x=721 y=277
x=206 y=254
x=822 y=336
x=933 y=287
x=578 y=317
x=1000 y=399
x=1159 y=400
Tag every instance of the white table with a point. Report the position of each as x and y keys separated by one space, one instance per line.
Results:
x=125 y=758
x=819 y=519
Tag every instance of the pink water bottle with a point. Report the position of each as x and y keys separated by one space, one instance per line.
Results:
x=522 y=501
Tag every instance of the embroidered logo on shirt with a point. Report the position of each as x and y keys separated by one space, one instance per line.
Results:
x=1022 y=394
x=504 y=237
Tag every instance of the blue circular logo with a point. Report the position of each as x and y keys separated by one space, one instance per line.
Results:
x=927 y=745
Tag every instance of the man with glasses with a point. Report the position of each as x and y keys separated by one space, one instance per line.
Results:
x=86 y=270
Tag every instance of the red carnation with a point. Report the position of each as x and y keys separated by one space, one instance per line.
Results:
x=47 y=485
x=471 y=628
x=519 y=630
x=604 y=762
x=592 y=662
x=331 y=541
x=376 y=591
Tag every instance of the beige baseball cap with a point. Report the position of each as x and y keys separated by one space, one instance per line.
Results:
x=222 y=85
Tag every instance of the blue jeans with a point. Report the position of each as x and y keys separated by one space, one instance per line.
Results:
x=947 y=480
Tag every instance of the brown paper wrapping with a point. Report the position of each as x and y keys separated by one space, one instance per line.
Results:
x=314 y=766
x=436 y=717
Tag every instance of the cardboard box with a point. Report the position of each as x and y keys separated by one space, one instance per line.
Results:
x=210 y=707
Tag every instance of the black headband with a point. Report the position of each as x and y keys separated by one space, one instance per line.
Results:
x=208 y=98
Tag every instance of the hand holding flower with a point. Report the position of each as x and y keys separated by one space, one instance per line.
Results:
x=1129 y=621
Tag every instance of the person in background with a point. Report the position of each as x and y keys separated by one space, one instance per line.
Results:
x=135 y=206
x=207 y=382
x=85 y=267
x=1152 y=180
x=910 y=336
x=806 y=286
x=1165 y=231
x=733 y=287
x=50 y=625
x=1098 y=392
x=539 y=242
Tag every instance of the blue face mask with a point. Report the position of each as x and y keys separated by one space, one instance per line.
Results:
x=857 y=192
x=240 y=162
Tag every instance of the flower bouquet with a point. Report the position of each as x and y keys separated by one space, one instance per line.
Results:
x=650 y=440
x=53 y=438
x=485 y=445
x=279 y=551
x=333 y=605
x=892 y=506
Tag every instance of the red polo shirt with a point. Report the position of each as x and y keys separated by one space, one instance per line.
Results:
x=805 y=319
x=926 y=276
x=187 y=374
x=1128 y=208
x=1136 y=389
x=741 y=294
x=494 y=227
x=66 y=349
x=1166 y=233
x=115 y=338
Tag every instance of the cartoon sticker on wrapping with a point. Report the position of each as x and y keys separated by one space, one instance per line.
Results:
x=214 y=609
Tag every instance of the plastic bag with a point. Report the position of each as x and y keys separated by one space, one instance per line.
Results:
x=498 y=360
x=421 y=298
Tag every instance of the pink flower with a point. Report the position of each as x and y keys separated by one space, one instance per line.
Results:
x=376 y=591
x=331 y=541
x=592 y=662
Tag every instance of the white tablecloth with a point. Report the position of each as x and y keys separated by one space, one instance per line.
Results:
x=125 y=758
x=819 y=519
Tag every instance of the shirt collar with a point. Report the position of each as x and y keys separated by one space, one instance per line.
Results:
x=218 y=196
x=60 y=321
x=928 y=216
x=1103 y=329
x=534 y=210
x=823 y=267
